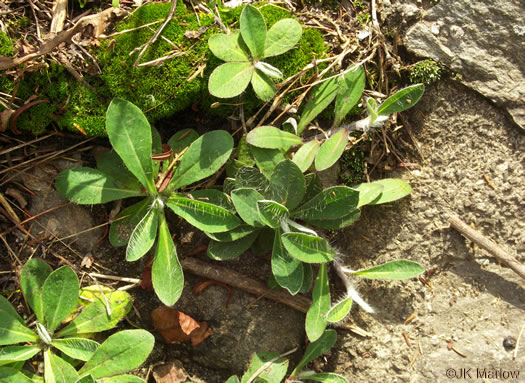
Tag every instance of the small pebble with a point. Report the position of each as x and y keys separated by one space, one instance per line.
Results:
x=509 y=343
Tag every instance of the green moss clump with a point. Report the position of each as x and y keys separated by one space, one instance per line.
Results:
x=6 y=46
x=426 y=72
x=352 y=164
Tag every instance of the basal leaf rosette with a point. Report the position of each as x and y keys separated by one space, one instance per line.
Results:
x=243 y=52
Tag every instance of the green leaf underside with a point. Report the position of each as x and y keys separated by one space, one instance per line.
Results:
x=12 y=375
x=338 y=223
x=288 y=271
x=239 y=232
x=339 y=311
x=182 y=139
x=270 y=137
x=253 y=30
x=121 y=228
x=95 y=318
x=230 y=79
x=282 y=37
x=305 y=156
x=203 y=215
x=59 y=296
x=395 y=270
x=316 y=316
x=143 y=236
x=368 y=192
x=89 y=186
x=32 y=278
x=12 y=326
x=130 y=135
x=331 y=203
x=229 y=47
x=263 y=86
x=18 y=353
x=274 y=371
x=402 y=100
x=307 y=247
x=331 y=150
x=245 y=201
x=325 y=377
x=349 y=93
x=204 y=157
x=222 y=251
x=322 y=95
x=112 y=165
x=287 y=184
x=267 y=159
x=371 y=107
x=76 y=348
x=248 y=177
x=315 y=349
x=166 y=272
x=121 y=352
x=393 y=189
x=57 y=370
x=272 y=213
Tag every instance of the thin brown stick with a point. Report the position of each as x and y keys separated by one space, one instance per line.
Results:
x=499 y=253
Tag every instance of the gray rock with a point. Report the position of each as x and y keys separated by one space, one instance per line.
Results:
x=483 y=41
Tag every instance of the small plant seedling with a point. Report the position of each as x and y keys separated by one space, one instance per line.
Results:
x=346 y=90
x=132 y=171
x=53 y=295
x=244 y=51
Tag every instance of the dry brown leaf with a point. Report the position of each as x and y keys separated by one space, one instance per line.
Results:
x=172 y=372
x=176 y=327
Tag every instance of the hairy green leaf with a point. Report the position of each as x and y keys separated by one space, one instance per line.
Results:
x=325 y=377
x=76 y=348
x=121 y=352
x=96 y=318
x=321 y=96
x=287 y=184
x=205 y=156
x=395 y=270
x=230 y=79
x=12 y=375
x=270 y=137
x=12 y=327
x=233 y=379
x=229 y=47
x=339 y=311
x=112 y=165
x=308 y=278
x=248 y=177
x=402 y=100
x=59 y=296
x=272 y=213
x=288 y=271
x=316 y=316
x=307 y=247
x=130 y=135
x=263 y=85
x=274 y=371
x=125 y=378
x=11 y=354
x=393 y=189
x=253 y=30
x=267 y=159
x=239 y=232
x=282 y=37
x=314 y=186
x=182 y=139
x=57 y=370
x=331 y=150
x=351 y=86
x=331 y=203
x=143 y=236
x=32 y=278
x=222 y=251
x=87 y=186
x=166 y=272
x=305 y=156
x=368 y=192
x=245 y=201
x=338 y=223
x=203 y=215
